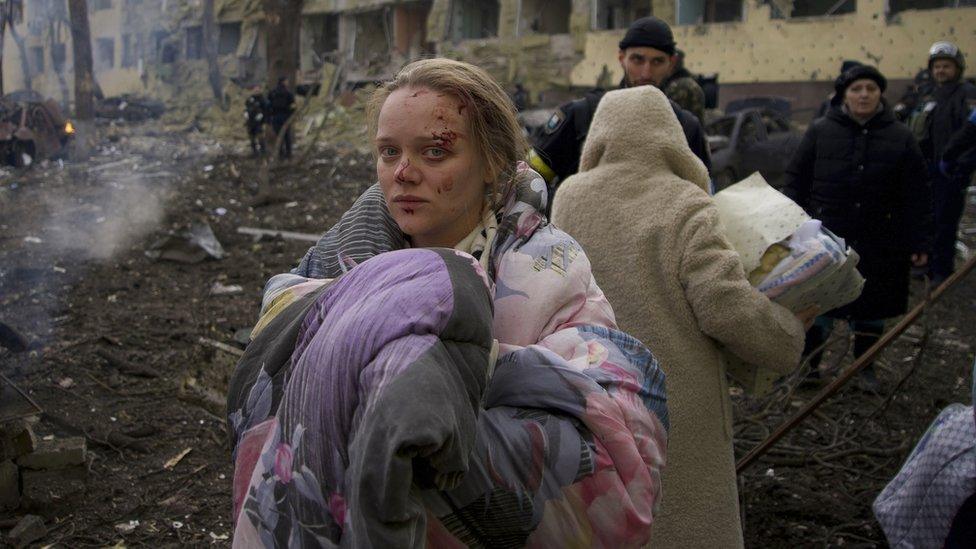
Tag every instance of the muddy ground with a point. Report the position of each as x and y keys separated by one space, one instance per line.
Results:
x=116 y=346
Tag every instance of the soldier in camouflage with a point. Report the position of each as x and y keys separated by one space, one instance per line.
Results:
x=682 y=88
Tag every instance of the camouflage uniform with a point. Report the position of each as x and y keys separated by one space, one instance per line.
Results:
x=683 y=90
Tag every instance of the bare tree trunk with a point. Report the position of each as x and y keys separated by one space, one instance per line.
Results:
x=82 y=56
x=282 y=19
x=54 y=31
x=210 y=50
x=3 y=28
x=84 y=80
x=24 y=60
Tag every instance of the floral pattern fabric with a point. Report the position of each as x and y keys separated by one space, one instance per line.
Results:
x=366 y=411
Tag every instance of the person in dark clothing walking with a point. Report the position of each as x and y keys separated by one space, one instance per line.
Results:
x=937 y=118
x=255 y=113
x=860 y=172
x=647 y=54
x=282 y=106
x=960 y=153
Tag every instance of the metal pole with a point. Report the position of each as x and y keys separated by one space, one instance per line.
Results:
x=859 y=363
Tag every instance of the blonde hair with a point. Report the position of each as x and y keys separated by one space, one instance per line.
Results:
x=495 y=129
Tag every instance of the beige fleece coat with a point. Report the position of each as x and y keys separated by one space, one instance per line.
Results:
x=639 y=208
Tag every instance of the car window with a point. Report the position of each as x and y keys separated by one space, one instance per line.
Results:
x=722 y=127
x=750 y=130
x=774 y=123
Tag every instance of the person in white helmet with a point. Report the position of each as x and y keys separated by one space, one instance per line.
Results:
x=937 y=118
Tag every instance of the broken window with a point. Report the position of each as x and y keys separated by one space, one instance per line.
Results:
x=58 y=55
x=473 y=19
x=102 y=4
x=895 y=6
x=104 y=53
x=784 y=9
x=544 y=16
x=229 y=37
x=322 y=31
x=410 y=28
x=37 y=59
x=373 y=38
x=693 y=12
x=194 y=42
x=128 y=51
x=618 y=14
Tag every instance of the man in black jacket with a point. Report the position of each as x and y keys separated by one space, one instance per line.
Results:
x=282 y=106
x=647 y=54
x=255 y=111
x=938 y=117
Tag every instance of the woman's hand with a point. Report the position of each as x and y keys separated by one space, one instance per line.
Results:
x=920 y=260
x=808 y=315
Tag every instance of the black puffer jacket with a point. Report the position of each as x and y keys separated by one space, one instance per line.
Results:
x=868 y=184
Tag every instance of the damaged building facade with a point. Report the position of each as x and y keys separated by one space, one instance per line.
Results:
x=790 y=48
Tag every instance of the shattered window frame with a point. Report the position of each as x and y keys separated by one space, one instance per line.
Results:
x=799 y=9
x=617 y=14
x=697 y=12
x=36 y=54
x=898 y=6
x=545 y=20
x=59 y=54
x=128 y=51
x=323 y=33
x=193 y=43
x=104 y=53
x=464 y=27
x=228 y=37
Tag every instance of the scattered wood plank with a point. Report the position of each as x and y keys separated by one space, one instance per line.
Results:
x=222 y=346
x=126 y=367
x=287 y=235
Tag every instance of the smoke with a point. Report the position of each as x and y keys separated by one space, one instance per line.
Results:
x=120 y=209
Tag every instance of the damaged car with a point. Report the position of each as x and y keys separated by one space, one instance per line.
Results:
x=755 y=135
x=131 y=108
x=32 y=130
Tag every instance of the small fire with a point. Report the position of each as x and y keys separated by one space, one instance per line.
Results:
x=68 y=128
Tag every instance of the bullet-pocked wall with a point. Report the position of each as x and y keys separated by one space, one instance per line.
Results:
x=763 y=54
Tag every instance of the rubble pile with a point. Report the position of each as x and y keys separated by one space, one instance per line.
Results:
x=37 y=474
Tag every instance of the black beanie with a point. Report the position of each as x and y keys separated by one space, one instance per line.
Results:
x=649 y=32
x=857 y=73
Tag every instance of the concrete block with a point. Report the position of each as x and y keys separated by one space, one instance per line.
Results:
x=9 y=486
x=30 y=529
x=47 y=487
x=55 y=454
x=16 y=439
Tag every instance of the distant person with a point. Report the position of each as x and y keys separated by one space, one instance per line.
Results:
x=921 y=85
x=282 y=106
x=520 y=97
x=845 y=66
x=682 y=88
x=960 y=152
x=939 y=116
x=860 y=172
x=646 y=55
x=255 y=112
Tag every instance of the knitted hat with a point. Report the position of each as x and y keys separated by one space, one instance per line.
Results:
x=860 y=72
x=649 y=32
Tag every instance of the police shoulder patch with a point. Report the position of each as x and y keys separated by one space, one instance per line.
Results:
x=555 y=121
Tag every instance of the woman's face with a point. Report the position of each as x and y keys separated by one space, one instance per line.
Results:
x=862 y=97
x=432 y=174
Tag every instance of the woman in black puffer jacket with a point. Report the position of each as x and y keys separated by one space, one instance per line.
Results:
x=861 y=173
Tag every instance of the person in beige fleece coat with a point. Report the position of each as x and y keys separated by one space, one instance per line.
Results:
x=639 y=207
